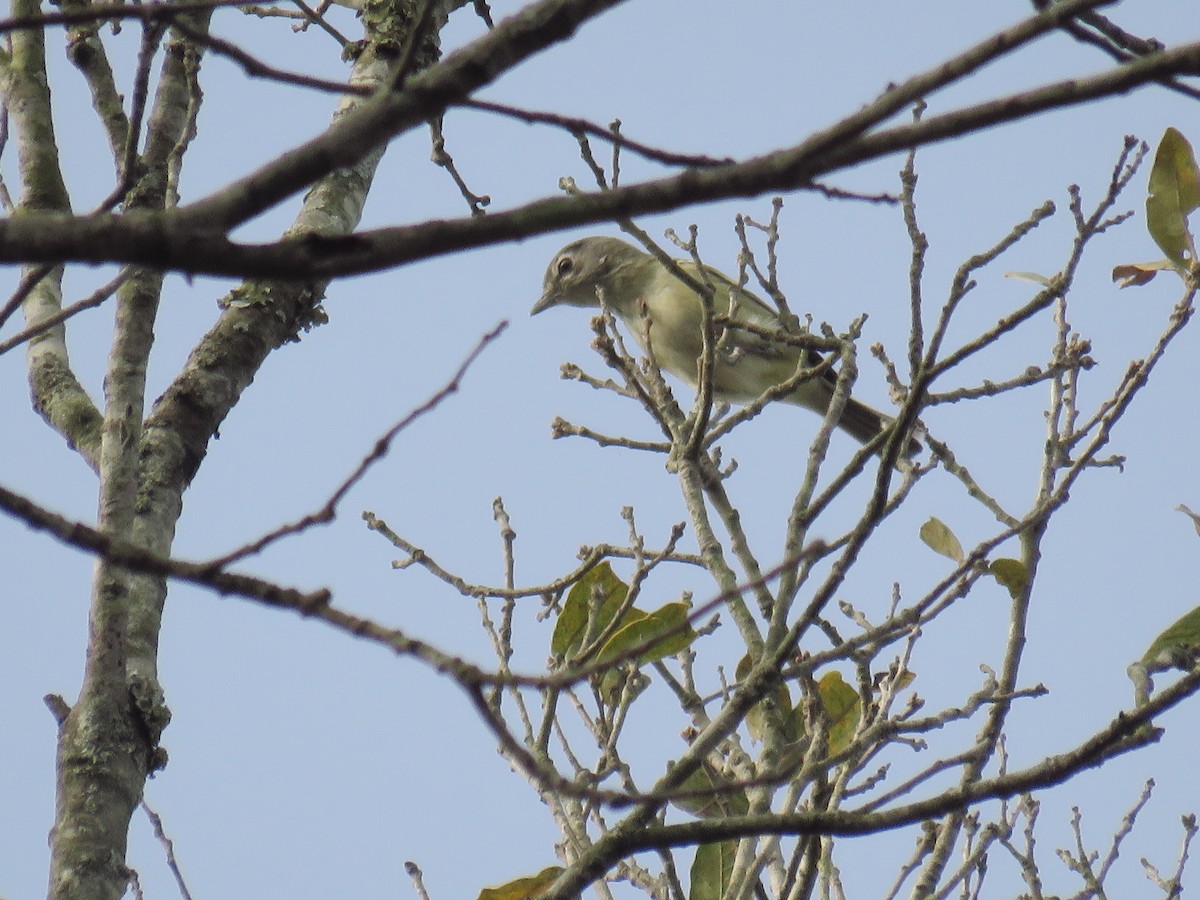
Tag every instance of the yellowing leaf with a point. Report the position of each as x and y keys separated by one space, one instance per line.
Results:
x=1191 y=515
x=638 y=627
x=1138 y=274
x=941 y=539
x=527 y=888
x=573 y=622
x=755 y=717
x=903 y=680
x=1178 y=645
x=1043 y=280
x=1011 y=573
x=844 y=708
x=1174 y=193
x=712 y=868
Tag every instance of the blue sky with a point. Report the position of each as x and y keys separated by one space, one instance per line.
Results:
x=306 y=765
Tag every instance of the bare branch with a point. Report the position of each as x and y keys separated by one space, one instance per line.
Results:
x=93 y=300
x=185 y=241
x=146 y=12
x=169 y=847
x=256 y=68
x=122 y=553
x=579 y=126
x=328 y=512
x=1120 y=736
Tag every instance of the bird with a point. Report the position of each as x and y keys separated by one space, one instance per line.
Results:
x=627 y=280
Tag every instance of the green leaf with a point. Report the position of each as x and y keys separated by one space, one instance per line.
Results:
x=1011 y=573
x=843 y=706
x=756 y=716
x=709 y=804
x=1174 y=193
x=573 y=622
x=903 y=680
x=527 y=888
x=941 y=539
x=619 y=683
x=1178 y=645
x=637 y=627
x=712 y=869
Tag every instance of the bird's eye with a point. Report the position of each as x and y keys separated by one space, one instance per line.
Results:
x=565 y=265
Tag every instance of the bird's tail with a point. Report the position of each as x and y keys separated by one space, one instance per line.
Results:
x=863 y=423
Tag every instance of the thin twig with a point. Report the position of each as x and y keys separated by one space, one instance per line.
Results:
x=29 y=281
x=146 y=12
x=93 y=300
x=328 y=512
x=255 y=67
x=577 y=126
x=169 y=847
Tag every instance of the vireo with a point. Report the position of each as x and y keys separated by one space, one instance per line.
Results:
x=746 y=364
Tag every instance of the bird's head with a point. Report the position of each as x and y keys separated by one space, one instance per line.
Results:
x=581 y=270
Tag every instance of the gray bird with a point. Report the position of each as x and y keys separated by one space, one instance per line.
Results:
x=746 y=364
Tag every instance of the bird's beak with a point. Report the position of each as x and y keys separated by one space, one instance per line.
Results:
x=544 y=302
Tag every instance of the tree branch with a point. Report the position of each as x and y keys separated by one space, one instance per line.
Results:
x=1120 y=736
x=181 y=240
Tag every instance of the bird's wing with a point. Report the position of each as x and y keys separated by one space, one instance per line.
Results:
x=751 y=309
